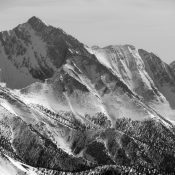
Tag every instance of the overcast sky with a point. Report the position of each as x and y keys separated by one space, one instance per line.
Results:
x=148 y=24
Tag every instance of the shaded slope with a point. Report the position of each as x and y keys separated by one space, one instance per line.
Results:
x=162 y=75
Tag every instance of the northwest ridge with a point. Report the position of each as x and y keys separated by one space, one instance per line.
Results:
x=68 y=108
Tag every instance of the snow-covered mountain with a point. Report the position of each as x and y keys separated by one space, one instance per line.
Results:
x=33 y=51
x=98 y=110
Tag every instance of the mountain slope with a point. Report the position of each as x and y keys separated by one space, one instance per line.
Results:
x=33 y=135
x=137 y=69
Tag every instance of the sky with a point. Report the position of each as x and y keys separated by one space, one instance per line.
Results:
x=147 y=24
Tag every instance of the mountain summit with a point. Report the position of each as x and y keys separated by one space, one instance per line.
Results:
x=33 y=51
x=35 y=20
x=66 y=108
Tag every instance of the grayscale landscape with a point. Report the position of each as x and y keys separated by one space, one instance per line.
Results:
x=67 y=108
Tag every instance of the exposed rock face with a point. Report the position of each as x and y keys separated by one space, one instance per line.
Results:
x=161 y=73
x=84 y=110
x=172 y=65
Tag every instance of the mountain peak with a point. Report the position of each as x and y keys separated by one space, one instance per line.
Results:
x=36 y=23
x=35 y=19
